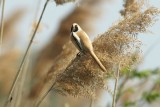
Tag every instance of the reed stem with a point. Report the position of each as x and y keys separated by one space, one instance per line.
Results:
x=115 y=86
x=2 y=25
x=45 y=94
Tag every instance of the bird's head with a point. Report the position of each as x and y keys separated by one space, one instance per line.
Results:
x=75 y=27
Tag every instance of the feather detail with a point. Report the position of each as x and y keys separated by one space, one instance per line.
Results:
x=76 y=41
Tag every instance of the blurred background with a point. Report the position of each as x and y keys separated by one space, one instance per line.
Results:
x=20 y=18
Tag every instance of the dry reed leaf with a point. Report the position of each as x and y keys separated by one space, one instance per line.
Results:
x=52 y=54
x=82 y=77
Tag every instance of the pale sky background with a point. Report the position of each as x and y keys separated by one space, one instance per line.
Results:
x=54 y=14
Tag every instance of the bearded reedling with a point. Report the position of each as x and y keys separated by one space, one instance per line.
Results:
x=82 y=42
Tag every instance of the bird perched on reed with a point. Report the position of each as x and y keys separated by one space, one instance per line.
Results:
x=82 y=42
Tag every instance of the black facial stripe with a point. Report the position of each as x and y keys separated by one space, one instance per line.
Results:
x=72 y=28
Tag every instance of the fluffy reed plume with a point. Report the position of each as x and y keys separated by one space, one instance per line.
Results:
x=48 y=56
x=131 y=7
x=82 y=77
x=60 y=2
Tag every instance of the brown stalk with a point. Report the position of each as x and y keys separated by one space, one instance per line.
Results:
x=19 y=93
x=45 y=94
x=91 y=102
x=116 y=85
x=121 y=88
x=9 y=98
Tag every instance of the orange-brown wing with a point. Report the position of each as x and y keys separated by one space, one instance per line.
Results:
x=85 y=41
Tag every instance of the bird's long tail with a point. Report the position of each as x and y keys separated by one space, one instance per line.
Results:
x=98 y=61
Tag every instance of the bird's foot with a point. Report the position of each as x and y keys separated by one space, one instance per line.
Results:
x=78 y=54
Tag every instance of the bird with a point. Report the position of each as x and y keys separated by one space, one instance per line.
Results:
x=82 y=42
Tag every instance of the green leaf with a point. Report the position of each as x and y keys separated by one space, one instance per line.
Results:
x=141 y=74
x=151 y=96
x=130 y=104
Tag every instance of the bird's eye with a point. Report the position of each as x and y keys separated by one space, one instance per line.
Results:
x=76 y=28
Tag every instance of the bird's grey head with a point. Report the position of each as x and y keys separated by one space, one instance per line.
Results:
x=75 y=27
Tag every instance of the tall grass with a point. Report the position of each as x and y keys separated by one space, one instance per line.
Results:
x=9 y=98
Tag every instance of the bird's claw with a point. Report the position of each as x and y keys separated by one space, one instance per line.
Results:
x=79 y=54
